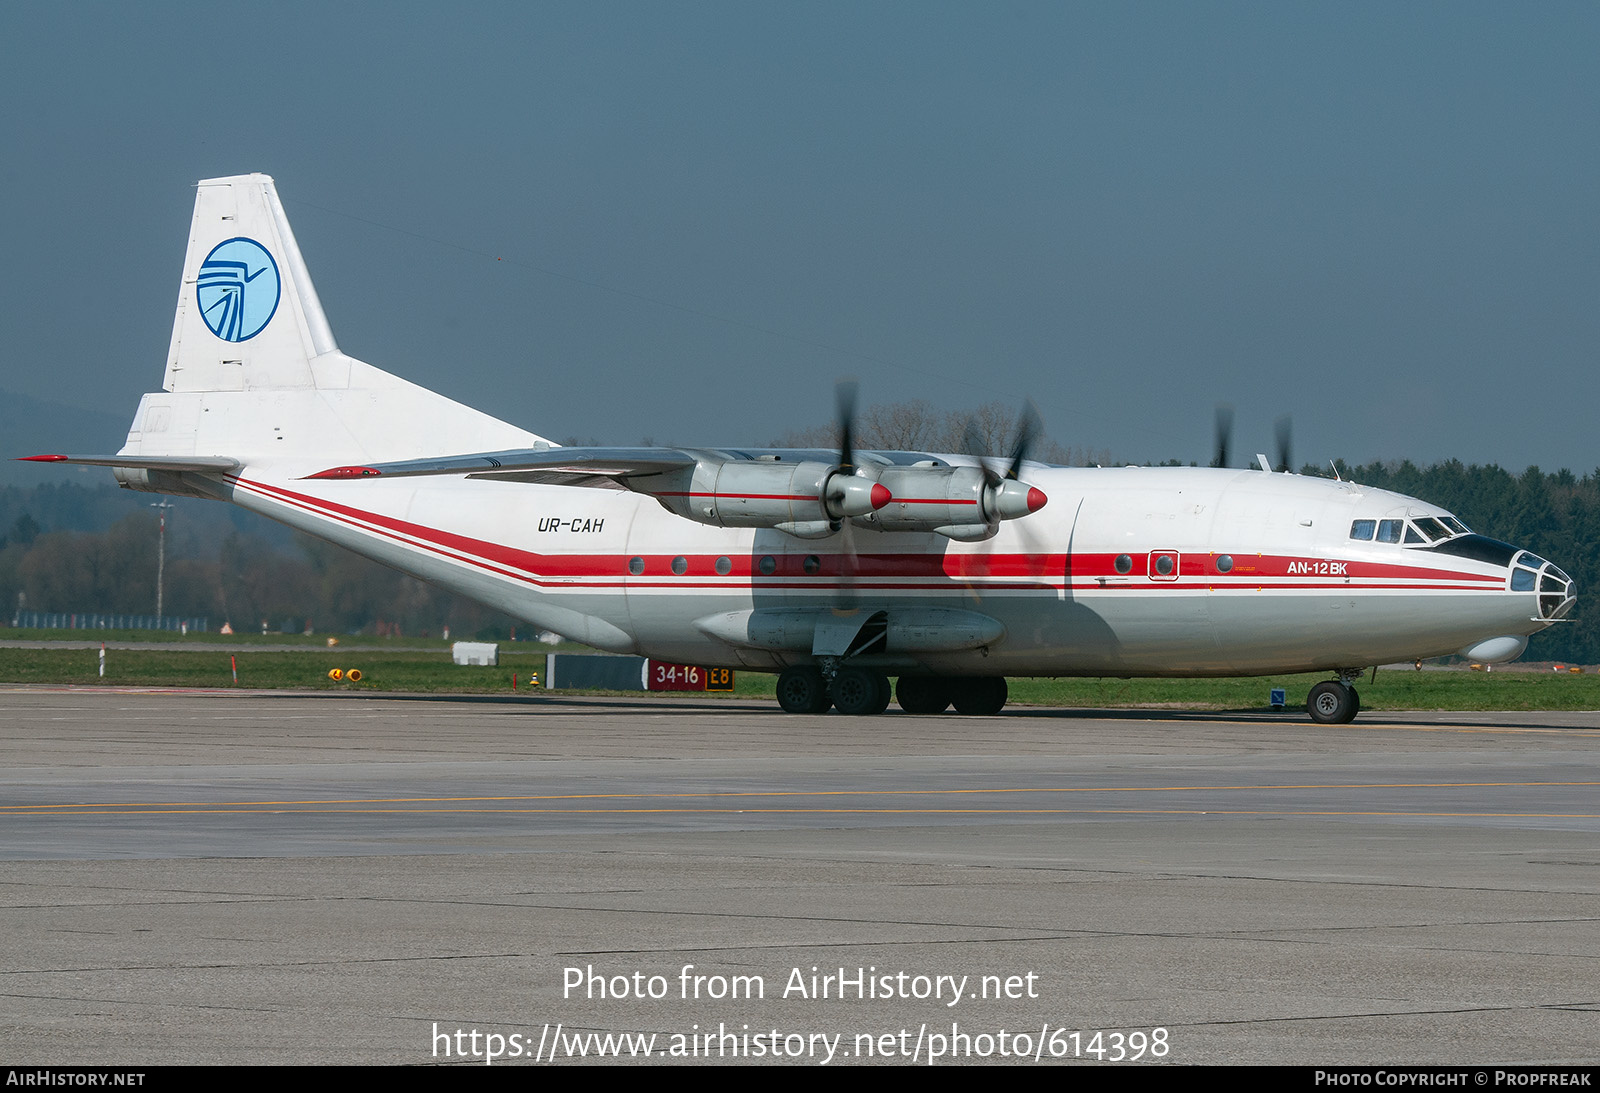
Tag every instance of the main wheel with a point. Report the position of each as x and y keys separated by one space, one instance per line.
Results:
x=1333 y=703
x=979 y=695
x=923 y=694
x=801 y=690
x=860 y=691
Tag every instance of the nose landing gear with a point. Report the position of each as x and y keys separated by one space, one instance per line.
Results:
x=1336 y=701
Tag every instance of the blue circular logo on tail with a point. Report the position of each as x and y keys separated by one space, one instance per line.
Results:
x=238 y=289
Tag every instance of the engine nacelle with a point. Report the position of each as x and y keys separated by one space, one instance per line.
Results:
x=809 y=499
x=805 y=499
x=959 y=502
x=928 y=498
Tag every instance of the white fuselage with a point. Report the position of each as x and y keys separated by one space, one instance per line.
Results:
x=1127 y=571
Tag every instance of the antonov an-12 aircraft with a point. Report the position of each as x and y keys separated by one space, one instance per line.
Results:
x=834 y=568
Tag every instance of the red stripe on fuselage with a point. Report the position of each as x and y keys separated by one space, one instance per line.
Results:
x=909 y=572
x=1251 y=566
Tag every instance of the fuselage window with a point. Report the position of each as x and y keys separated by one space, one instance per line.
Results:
x=1389 y=530
x=1225 y=562
x=1164 y=564
x=1124 y=564
x=724 y=567
x=812 y=564
x=1363 y=529
x=636 y=566
x=769 y=565
x=680 y=565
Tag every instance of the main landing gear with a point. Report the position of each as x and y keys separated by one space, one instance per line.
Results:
x=865 y=691
x=1336 y=701
x=855 y=691
x=801 y=690
x=970 y=695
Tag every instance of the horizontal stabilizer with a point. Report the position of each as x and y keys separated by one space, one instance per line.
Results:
x=142 y=462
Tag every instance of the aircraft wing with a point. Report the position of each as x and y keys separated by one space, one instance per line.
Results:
x=557 y=466
x=606 y=467
x=804 y=497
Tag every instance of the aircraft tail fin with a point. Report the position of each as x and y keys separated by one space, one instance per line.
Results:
x=253 y=371
x=248 y=313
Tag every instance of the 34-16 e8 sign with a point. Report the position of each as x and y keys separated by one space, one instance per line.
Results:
x=687 y=677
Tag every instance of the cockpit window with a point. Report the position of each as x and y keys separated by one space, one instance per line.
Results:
x=1417 y=531
x=1432 y=528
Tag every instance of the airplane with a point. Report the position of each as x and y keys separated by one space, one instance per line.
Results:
x=834 y=569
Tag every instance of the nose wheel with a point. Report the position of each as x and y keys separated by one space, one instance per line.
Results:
x=1333 y=703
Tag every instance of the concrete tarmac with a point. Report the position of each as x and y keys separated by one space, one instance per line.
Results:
x=215 y=877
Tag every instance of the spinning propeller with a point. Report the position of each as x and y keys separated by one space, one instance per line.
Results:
x=1005 y=497
x=845 y=398
x=1282 y=430
x=1224 y=434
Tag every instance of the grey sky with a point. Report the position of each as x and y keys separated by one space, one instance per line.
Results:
x=685 y=221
